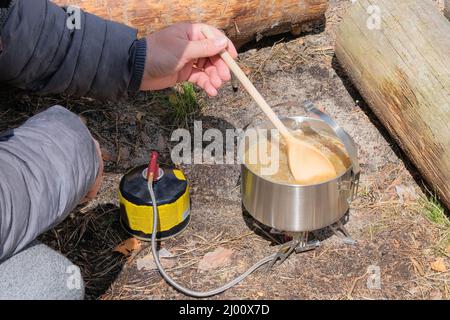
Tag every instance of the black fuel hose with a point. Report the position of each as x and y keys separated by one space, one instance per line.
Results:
x=187 y=291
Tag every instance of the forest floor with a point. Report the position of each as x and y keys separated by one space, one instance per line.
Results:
x=400 y=229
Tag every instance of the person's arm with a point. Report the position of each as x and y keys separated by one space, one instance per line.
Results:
x=41 y=53
x=47 y=166
x=103 y=59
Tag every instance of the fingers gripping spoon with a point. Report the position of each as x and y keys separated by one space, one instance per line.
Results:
x=306 y=162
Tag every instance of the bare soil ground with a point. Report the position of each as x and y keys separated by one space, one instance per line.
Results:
x=389 y=219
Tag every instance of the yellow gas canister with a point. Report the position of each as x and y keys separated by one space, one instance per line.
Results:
x=172 y=199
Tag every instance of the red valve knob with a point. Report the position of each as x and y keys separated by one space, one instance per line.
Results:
x=153 y=167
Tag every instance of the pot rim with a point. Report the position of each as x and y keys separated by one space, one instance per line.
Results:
x=295 y=185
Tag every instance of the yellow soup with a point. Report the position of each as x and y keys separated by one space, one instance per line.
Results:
x=262 y=162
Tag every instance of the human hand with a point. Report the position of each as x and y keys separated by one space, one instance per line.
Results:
x=181 y=53
x=92 y=193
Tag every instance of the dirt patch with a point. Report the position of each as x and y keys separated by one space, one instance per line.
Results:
x=393 y=235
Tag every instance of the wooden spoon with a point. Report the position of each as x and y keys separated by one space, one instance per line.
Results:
x=306 y=162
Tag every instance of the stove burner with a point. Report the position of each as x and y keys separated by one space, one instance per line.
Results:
x=300 y=242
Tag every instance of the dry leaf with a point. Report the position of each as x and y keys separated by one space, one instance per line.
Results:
x=107 y=155
x=439 y=265
x=418 y=267
x=247 y=70
x=139 y=116
x=148 y=263
x=83 y=119
x=128 y=246
x=448 y=248
x=215 y=259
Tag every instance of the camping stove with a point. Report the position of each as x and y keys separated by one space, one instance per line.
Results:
x=298 y=210
x=298 y=242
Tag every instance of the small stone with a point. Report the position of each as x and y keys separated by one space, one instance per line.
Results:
x=406 y=193
x=148 y=263
x=436 y=295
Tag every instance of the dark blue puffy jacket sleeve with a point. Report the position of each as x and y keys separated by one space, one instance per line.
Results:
x=43 y=51
x=47 y=166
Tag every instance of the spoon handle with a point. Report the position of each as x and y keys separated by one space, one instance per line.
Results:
x=248 y=85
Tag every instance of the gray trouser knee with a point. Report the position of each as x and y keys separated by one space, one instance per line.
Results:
x=39 y=272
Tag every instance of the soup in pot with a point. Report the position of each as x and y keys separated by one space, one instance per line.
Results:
x=260 y=157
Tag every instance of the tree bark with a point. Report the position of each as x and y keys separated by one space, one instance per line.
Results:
x=402 y=70
x=241 y=20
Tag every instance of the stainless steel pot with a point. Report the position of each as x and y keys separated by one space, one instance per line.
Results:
x=299 y=208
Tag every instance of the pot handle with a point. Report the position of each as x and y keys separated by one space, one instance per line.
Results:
x=348 y=142
x=340 y=133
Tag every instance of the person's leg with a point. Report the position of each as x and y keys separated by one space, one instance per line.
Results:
x=48 y=165
x=39 y=272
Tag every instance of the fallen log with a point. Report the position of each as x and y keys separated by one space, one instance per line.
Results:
x=242 y=21
x=401 y=65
